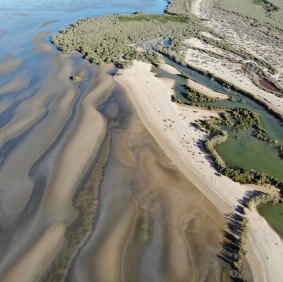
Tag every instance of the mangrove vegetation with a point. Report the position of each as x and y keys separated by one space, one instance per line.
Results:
x=120 y=39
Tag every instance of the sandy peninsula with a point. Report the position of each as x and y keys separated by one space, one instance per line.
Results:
x=170 y=125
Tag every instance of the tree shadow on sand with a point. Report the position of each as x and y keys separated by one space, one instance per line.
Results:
x=233 y=250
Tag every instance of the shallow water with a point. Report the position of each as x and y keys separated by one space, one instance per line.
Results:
x=273 y=215
x=247 y=151
x=45 y=119
x=57 y=145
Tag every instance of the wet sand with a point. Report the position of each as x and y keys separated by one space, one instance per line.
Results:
x=85 y=191
x=48 y=140
x=153 y=223
x=171 y=126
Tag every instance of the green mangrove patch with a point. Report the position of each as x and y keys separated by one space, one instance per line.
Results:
x=120 y=39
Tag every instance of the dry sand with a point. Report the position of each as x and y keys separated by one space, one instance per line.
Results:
x=205 y=90
x=170 y=125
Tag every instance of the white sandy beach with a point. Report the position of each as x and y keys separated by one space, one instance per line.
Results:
x=169 y=124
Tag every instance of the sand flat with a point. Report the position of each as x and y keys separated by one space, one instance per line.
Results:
x=151 y=217
x=32 y=264
x=179 y=140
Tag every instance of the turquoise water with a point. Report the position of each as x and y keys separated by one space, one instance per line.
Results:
x=274 y=216
x=246 y=151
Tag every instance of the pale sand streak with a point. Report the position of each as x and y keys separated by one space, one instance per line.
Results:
x=10 y=64
x=35 y=106
x=82 y=146
x=109 y=266
x=72 y=163
x=152 y=101
x=17 y=83
x=205 y=90
x=38 y=257
x=13 y=199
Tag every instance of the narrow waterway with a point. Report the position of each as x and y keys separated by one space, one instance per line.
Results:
x=243 y=150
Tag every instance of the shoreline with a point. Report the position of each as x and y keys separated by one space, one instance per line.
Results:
x=151 y=98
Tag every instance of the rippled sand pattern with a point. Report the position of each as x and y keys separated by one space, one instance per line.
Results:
x=152 y=224
x=86 y=194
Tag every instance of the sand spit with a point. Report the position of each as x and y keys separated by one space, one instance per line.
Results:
x=205 y=90
x=177 y=137
x=169 y=69
x=170 y=125
x=152 y=222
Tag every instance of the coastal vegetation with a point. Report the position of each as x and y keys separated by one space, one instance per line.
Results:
x=237 y=120
x=234 y=244
x=195 y=96
x=120 y=39
x=263 y=12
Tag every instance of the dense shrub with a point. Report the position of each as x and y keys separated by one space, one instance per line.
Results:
x=121 y=39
